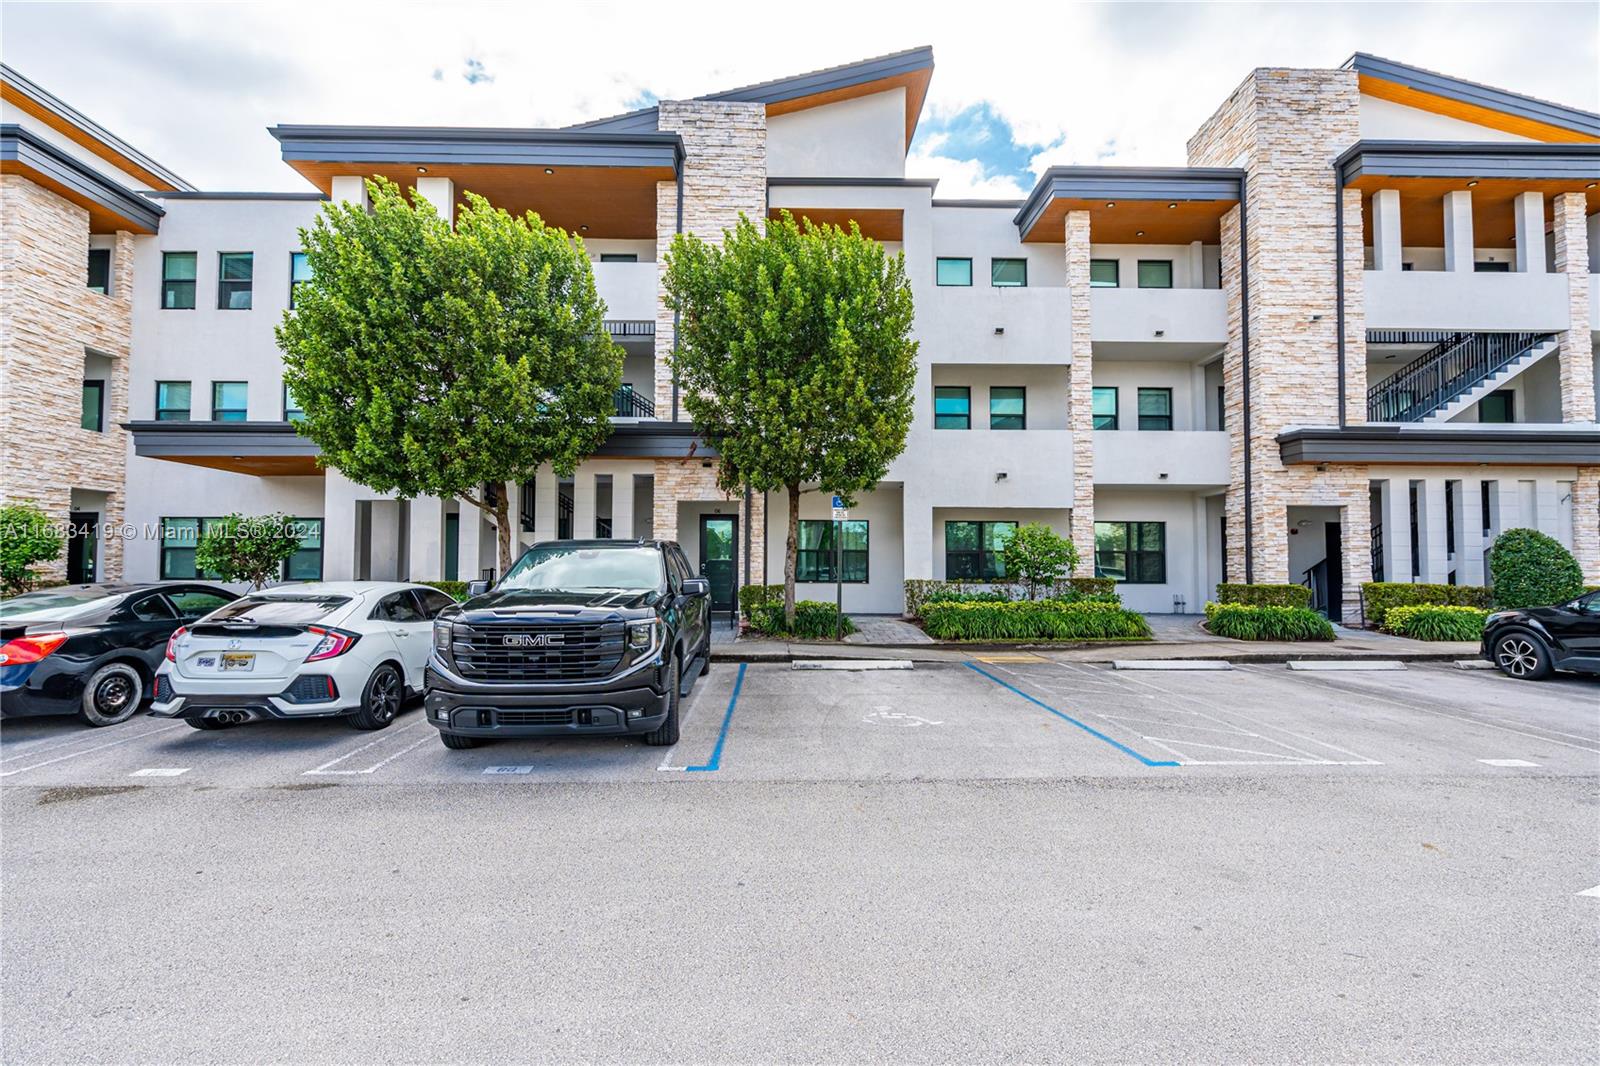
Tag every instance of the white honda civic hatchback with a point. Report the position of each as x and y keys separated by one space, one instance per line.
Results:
x=319 y=650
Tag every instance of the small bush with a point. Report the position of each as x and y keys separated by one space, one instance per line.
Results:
x=1430 y=622
x=955 y=595
x=1037 y=557
x=1383 y=596
x=1532 y=570
x=1070 y=590
x=754 y=597
x=457 y=590
x=1265 y=595
x=813 y=620
x=1243 y=621
x=1033 y=620
x=28 y=537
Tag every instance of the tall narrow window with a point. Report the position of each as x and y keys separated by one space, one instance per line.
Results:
x=1155 y=273
x=952 y=407
x=1008 y=407
x=100 y=270
x=1105 y=407
x=1104 y=273
x=818 y=552
x=1008 y=273
x=306 y=563
x=229 y=401
x=94 y=406
x=177 y=281
x=235 y=281
x=1134 y=553
x=299 y=274
x=949 y=271
x=1222 y=409
x=1155 y=409
x=172 y=401
x=291 y=407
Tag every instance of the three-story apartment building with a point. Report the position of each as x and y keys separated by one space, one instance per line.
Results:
x=1351 y=338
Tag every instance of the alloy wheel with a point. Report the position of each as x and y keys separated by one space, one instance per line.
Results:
x=1517 y=656
x=385 y=697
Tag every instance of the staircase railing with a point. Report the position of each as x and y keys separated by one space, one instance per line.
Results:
x=1444 y=372
x=631 y=404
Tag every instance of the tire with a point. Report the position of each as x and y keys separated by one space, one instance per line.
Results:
x=380 y=699
x=111 y=695
x=457 y=742
x=667 y=732
x=207 y=723
x=1521 y=655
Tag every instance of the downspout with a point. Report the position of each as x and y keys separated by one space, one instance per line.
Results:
x=747 y=534
x=1244 y=364
x=1338 y=277
x=679 y=229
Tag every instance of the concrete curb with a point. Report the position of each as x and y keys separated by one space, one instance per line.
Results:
x=943 y=653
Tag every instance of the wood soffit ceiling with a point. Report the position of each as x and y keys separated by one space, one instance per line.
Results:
x=1135 y=221
x=879 y=223
x=1465 y=112
x=1493 y=219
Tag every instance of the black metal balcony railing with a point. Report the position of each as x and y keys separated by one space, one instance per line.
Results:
x=1448 y=369
x=631 y=404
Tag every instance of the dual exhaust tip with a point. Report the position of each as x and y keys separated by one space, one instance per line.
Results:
x=233 y=717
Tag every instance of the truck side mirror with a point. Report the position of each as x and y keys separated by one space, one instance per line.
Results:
x=477 y=588
x=696 y=586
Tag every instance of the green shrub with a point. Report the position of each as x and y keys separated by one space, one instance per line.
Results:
x=1033 y=620
x=1037 y=557
x=813 y=620
x=754 y=597
x=28 y=537
x=1383 y=596
x=457 y=590
x=1243 y=621
x=1072 y=590
x=1432 y=622
x=1265 y=595
x=955 y=595
x=1532 y=570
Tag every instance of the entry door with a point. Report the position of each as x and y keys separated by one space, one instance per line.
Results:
x=82 y=546
x=719 y=543
x=1332 y=542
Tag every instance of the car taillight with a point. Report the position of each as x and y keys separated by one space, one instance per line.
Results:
x=334 y=642
x=19 y=651
x=172 y=643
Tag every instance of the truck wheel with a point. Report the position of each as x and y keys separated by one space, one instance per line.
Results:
x=667 y=732
x=457 y=742
x=111 y=695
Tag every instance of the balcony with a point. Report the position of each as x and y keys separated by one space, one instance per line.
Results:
x=1176 y=317
x=1190 y=459
x=1456 y=300
x=963 y=468
x=982 y=324
x=629 y=290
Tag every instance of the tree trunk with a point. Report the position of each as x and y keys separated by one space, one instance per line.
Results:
x=791 y=554
x=502 y=522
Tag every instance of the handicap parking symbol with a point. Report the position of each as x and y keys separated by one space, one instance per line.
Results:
x=884 y=716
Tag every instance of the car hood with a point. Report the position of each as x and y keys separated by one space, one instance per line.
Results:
x=561 y=601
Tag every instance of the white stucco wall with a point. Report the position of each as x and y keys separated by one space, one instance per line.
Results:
x=1386 y=120
x=884 y=590
x=1187 y=544
x=11 y=114
x=864 y=137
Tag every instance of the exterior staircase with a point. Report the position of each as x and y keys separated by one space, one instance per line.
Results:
x=1457 y=372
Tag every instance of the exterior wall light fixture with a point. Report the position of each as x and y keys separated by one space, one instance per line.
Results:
x=1001 y=475
x=999 y=331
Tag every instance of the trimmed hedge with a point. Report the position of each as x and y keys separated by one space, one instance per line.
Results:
x=1434 y=622
x=754 y=597
x=1531 y=569
x=1381 y=597
x=813 y=620
x=1033 y=620
x=1072 y=590
x=457 y=590
x=1265 y=595
x=1243 y=621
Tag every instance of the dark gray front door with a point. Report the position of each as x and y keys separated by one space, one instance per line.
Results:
x=719 y=544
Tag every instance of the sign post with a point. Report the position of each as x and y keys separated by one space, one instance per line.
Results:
x=839 y=515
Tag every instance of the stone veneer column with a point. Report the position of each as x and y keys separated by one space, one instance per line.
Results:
x=1577 y=347
x=1080 y=406
x=1355 y=312
x=1233 y=566
x=1586 y=523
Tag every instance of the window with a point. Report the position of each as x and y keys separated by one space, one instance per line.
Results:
x=172 y=401
x=153 y=608
x=291 y=407
x=619 y=257
x=1008 y=407
x=299 y=274
x=953 y=271
x=177 y=281
x=1498 y=406
x=818 y=552
x=1105 y=407
x=94 y=406
x=974 y=551
x=1486 y=267
x=179 y=538
x=100 y=270
x=1222 y=409
x=1008 y=273
x=398 y=607
x=1155 y=409
x=952 y=407
x=229 y=401
x=306 y=563
x=235 y=281
x=1104 y=273
x=193 y=603
x=1155 y=273
x=1134 y=553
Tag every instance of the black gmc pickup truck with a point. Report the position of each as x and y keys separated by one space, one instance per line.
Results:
x=581 y=636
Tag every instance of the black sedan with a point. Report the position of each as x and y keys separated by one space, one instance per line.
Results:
x=1530 y=642
x=92 y=650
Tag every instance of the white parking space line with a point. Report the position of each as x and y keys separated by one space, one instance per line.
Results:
x=31 y=748
x=1507 y=762
x=88 y=751
x=1595 y=891
x=683 y=722
x=327 y=767
x=161 y=771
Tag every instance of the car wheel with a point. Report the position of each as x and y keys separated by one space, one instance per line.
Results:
x=457 y=742
x=1522 y=656
x=111 y=695
x=380 y=700
x=667 y=732
x=208 y=723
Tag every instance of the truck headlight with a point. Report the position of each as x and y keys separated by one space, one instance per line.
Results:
x=441 y=636
x=641 y=635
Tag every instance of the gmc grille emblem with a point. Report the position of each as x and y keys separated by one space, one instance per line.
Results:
x=532 y=640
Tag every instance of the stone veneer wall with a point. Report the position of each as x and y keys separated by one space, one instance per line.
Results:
x=1284 y=128
x=48 y=320
x=1080 y=404
x=677 y=480
x=1577 y=346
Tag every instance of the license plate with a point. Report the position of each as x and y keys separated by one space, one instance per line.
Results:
x=234 y=660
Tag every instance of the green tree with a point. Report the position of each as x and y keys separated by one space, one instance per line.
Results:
x=433 y=361
x=1532 y=570
x=28 y=537
x=1037 y=557
x=795 y=359
x=249 y=549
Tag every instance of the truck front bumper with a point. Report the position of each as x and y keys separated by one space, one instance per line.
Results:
x=635 y=703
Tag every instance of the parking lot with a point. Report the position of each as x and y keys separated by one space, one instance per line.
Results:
x=1008 y=857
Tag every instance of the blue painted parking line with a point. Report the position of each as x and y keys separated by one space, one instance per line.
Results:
x=715 y=762
x=1068 y=718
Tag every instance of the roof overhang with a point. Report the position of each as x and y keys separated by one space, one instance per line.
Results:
x=1482 y=105
x=111 y=207
x=1530 y=445
x=264 y=449
x=655 y=440
x=1127 y=205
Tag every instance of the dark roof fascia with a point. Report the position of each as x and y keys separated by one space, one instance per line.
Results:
x=1471 y=92
x=656 y=440
x=1439 y=446
x=825 y=182
x=1469 y=159
x=822 y=81
x=1009 y=205
x=461 y=145
x=642 y=121
x=21 y=145
x=172 y=439
x=197 y=195
x=1128 y=183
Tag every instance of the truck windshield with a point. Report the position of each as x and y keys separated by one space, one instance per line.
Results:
x=563 y=566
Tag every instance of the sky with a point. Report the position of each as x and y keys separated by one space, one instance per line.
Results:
x=196 y=85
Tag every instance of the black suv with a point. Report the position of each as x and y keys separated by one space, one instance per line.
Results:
x=1529 y=643
x=582 y=636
